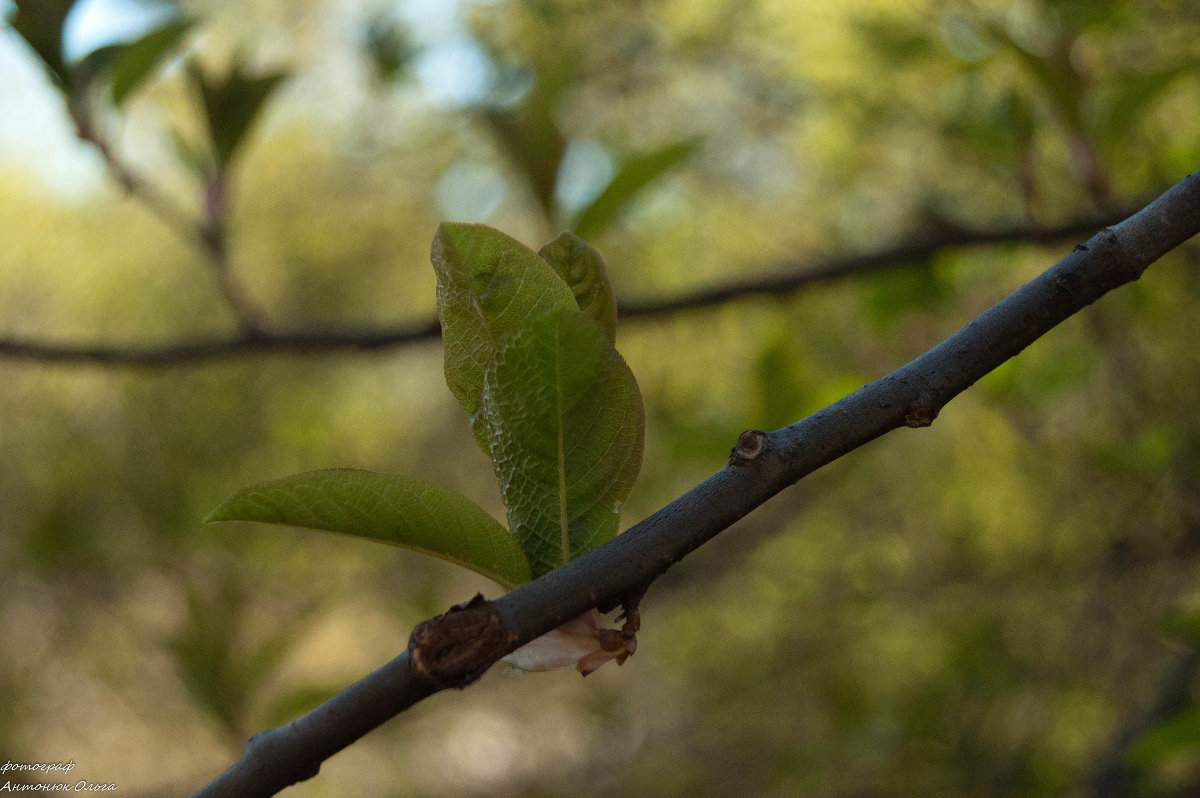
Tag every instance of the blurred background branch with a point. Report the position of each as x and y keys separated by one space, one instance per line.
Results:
x=95 y=90
x=780 y=280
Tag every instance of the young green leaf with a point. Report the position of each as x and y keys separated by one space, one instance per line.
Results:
x=231 y=104
x=583 y=270
x=634 y=175
x=206 y=651
x=1180 y=732
x=1125 y=101
x=529 y=134
x=40 y=23
x=488 y=286
x=137 y=60
x=564 y=423
x=403 y=511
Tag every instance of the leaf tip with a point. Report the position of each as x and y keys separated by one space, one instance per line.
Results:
x=219 y=513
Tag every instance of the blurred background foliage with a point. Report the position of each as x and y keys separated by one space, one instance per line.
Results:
x=1004 y=604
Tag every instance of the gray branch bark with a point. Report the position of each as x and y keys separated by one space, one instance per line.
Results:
x=761 y=465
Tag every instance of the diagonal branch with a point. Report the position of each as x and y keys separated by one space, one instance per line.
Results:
x=454 y=649
x=161 y=205
x=786 y=278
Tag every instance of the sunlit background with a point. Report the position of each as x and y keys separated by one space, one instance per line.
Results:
x=1004 y=604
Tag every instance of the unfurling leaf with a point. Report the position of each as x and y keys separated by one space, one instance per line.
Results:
x=403 y=511
x=489 y=285
x=529 y=355
x=564 y=424
x=581 y=267
x=550 y=400
x=124 y=67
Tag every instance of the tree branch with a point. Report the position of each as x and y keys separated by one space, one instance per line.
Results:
x=761 y=465
x=170 y=213
x=787 y=277
x=790 y=276
x=189 y=353
x=209 y=233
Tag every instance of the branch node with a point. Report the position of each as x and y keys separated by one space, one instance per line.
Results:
x=455 y=648
x=920 y=416
x=750 y=444
x=629 y=609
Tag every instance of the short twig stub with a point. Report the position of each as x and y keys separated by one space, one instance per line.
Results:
x=750 y=444
x=920 y=416
x=456 y=647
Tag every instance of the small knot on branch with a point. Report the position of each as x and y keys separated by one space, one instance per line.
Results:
x=750 y=444
x=920 y=416
x=456 y=647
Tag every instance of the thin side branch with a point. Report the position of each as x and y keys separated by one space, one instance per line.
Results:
x=169 y=212
x=786 y=278
x=761 y=466
x=209 y=233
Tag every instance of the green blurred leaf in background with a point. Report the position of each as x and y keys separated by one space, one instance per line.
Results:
x=135 y=62
x=231 y=102
x=633 y=176
x=40 y=23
